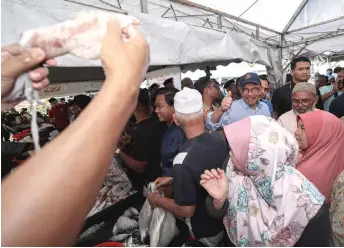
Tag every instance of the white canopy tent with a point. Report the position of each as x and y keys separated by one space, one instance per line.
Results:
x=198 y=33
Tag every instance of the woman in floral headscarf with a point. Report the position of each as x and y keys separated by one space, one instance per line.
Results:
x=270 y=203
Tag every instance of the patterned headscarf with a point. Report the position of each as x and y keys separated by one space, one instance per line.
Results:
x=270 y=201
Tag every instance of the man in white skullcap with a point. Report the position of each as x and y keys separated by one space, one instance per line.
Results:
x=202 y=151
x=304 y=99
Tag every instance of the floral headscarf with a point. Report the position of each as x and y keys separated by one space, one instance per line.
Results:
x=270 y=201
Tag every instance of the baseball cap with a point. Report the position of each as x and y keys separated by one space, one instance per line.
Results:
x=188 y=101
x=250 y=77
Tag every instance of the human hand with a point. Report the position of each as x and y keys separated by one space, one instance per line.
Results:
x=123 y=142
x=153 y=199
x=227 y=102
x=163 y=181
x=15 y=60
x=216 y=184
x=125 y=52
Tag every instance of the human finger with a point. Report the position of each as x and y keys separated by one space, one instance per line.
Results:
x=205 y=177
x=209 y=174
x=229 y=93
x=51 y=62
x=16 y=65
x=39 y=74
x=216 y=175
x=202 y=182
x=41 y=84
x=13 y=49
x=114 y=30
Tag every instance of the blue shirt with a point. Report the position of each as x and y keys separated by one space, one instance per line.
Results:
x=173 y=139
x=238 y=111
x=267 y=102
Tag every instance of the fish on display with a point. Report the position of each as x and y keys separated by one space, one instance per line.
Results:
x=116 y=187
x=90 y=231
x=126 y=230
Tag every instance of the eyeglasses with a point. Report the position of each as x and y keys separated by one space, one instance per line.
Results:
x=303 y=101
x=253 y=90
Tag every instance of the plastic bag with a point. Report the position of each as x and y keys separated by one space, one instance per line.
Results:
x=159 y=224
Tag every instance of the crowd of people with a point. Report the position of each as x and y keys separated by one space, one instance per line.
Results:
x=259 y=167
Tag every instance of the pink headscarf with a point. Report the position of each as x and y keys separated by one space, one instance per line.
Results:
x=324 y=158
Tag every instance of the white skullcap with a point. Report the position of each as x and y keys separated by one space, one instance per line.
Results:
x=188 y=101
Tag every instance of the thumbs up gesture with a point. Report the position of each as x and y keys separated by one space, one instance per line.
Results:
x=227 y=102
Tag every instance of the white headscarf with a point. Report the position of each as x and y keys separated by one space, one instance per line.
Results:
x=271 y=202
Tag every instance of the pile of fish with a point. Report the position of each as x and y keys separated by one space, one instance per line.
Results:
x=156 y=224
x=116 y=187
x=90 y=232
x=126 y=230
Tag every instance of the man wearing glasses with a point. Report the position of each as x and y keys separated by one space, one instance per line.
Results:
x=304 y=99
x=249 y=105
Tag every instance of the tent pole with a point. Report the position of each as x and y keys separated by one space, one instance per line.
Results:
x=248 y=8
x=219 y=22
x=314 y=39
x=204 y=8
x=295 y=15
x=316 y=24
x=144 y=8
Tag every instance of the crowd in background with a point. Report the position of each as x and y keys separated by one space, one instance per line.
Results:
x=261 y=168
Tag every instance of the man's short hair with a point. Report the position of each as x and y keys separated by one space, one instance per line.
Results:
x=298 y=59
x=229 y=83
x=237 y=81
x=144 y=98
x=155 y=85
x=264 y=77
x=329 y=69
x=202 y=83
x=187 y=82
x=62 y=99
x=168 y=81
x=52 y=100
x=169 y=94
x=81 y=101
x=337 y=69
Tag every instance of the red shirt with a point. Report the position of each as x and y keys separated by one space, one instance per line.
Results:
x=60 y=114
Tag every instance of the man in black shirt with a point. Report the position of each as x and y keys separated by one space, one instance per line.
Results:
x=202 y=151
x=337 y=106
x=281 y=98
x=142 y=155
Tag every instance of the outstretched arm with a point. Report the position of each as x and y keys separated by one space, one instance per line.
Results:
x=45 y=201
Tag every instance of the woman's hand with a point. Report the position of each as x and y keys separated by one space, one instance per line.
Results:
x=216 y=184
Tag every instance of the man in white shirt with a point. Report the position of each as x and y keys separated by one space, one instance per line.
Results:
x=304 y=98
x=330 y=92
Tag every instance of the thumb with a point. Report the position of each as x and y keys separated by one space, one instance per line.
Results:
x=113 y=31
x=16 y=65
x=229 y=94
